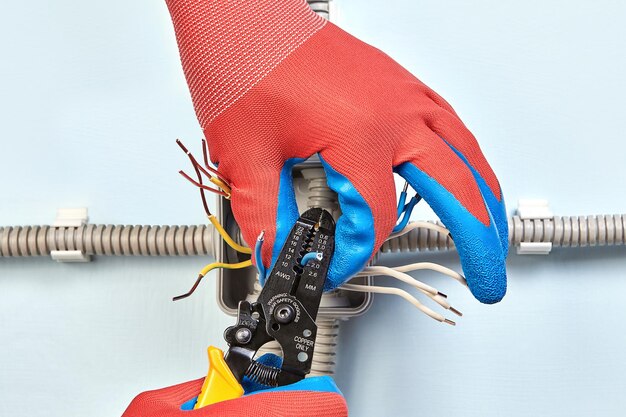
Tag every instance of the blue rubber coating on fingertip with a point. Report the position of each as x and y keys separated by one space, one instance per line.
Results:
x=479 y=247
x=497 y=208
x=354 y=232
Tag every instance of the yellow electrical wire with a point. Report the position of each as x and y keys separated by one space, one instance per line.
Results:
x=221 y=184
x=229 y=240
x=208 y=269
x=215 y=265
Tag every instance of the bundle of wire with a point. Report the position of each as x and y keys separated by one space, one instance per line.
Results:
x=400 y=273
x=224 y=191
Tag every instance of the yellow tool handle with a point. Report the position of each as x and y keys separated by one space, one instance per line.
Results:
x=220 y=384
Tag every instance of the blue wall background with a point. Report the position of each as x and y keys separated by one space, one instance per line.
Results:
x=91 y=99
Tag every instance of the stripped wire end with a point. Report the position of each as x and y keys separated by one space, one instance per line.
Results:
x=399 y=292
x=258 y=256
x=213 y=174
x=191 y=291
x=310 y=257
x=402 y=200
x=400 y=273
x=405 y=210
x=455 y=311
x=182 y=146
x=208 y=269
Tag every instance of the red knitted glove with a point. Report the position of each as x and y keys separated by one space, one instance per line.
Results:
x=273 y=83
x=175 y=400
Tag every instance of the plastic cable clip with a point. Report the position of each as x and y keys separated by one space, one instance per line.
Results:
x=534 y=210
x=70 y=217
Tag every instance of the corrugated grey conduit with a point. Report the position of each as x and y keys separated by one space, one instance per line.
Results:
x=128 y=240
x=107 y=240
x=574 y=231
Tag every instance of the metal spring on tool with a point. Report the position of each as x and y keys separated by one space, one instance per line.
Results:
x=263 y=374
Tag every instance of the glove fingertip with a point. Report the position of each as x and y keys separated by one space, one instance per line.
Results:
x=479 y=245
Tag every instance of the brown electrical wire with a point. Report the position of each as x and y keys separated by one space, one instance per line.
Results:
x=202 y=195
x=196 y=164
x=191 y=291
x=205 y=155
x=197 y=167
x=208 y=269
x=224 y=191
x=202 y=186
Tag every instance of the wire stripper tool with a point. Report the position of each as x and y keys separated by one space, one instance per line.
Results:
x=285 y=311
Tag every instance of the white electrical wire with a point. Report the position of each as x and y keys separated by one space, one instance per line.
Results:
x=398 y=292
x=383 y=270
x=419 y=225
x=399 y=273
x=437 y=296
x=566 y=231
x=433 y=267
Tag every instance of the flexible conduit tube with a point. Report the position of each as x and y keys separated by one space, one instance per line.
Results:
x=574 y=231
x=128 y=240
x=123 y=240
x=321 y=7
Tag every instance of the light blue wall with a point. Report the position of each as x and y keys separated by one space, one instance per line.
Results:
x=91 y=100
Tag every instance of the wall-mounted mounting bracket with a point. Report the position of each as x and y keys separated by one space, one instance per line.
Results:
x=534 y=210
x=70 y=218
